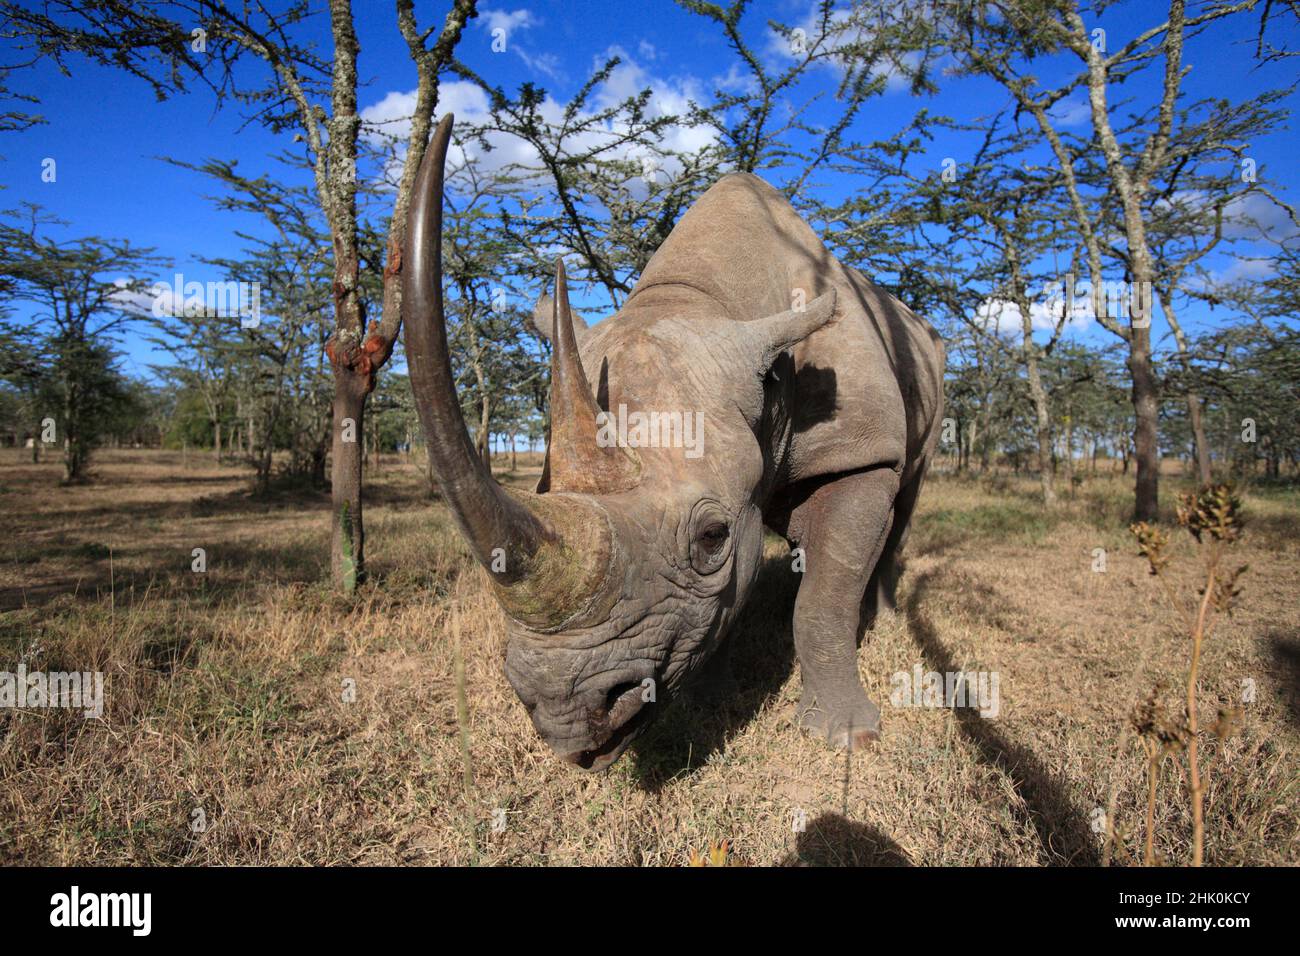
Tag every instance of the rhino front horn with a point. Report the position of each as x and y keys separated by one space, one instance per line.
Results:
x=548 y=556
x=575 y=459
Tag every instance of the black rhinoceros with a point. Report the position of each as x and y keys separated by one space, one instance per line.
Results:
x=819 y=397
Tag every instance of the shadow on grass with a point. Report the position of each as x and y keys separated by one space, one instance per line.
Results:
x=1277 y=532
x=232 y=567
x=1285 y=650
x=748 y=670
x=833 y=840
x=1064 y=834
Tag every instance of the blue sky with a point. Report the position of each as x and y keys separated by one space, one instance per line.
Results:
x=107 y=132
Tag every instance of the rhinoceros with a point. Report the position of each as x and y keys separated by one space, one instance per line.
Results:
x=820 y=399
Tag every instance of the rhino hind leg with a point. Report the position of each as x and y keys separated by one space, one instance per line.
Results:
x=843 y=527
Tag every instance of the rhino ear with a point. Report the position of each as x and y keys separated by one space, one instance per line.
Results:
x=776 y=333
x=544 y=320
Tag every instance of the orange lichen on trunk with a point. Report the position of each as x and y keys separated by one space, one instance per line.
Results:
x=362 y=360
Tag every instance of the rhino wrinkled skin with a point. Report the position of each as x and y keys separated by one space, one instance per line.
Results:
x=820 y=399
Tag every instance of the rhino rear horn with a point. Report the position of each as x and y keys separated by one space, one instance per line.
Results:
x=576 y=460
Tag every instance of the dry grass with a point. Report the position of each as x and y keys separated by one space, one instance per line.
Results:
x=225 y=693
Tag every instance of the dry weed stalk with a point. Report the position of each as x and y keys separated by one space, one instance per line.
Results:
x=1212 y=515
x=462 y=721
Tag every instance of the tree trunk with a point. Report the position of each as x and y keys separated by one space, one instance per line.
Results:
x=347 y=551
x=1193 y=399
x=1146 y=448
x=1203 y=473
x=1069 y=455
x=319 y=456
x=1043 y=428
x=216 y=440
x=484 y=434
x=71 y=439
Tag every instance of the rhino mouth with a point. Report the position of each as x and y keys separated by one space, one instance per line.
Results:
x=627 y=715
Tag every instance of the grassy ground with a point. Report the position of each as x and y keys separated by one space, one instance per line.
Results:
x=225 y=693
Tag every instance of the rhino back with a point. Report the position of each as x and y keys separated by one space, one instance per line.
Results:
x=867 y=388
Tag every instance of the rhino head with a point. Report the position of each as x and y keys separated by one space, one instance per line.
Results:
x=622 y=572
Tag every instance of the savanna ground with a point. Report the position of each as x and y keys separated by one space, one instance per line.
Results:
x=225 y=692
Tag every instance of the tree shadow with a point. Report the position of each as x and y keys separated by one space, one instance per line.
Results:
x=1285 y=650
x=747 y=671
x=232 y=567
x=1064 y=834
x=1277 y=532
x=834 y=840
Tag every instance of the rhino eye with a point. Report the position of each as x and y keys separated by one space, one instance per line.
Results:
x=709 y=550
x=714 y=536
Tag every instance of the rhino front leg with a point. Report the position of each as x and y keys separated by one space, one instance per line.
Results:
x=880 y=595
x=842 y=528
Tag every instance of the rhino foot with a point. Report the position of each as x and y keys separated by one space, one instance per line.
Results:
x=847 y=721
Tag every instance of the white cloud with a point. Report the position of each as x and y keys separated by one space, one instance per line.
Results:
x=138 y=303
x=1071 y=112
x=507 y=21
x=1239 y=270
x=1250 y=215
x=505 y=25
x=1254 y=216
x=1004 y=317
x=391 y=116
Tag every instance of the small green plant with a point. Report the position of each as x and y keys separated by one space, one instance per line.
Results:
x=1213 y=516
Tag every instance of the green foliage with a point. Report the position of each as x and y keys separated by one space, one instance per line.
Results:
x=62 y=360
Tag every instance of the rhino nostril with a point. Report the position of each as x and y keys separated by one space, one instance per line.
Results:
x=618 y=692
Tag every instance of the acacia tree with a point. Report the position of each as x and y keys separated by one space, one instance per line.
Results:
x=1249 y=375
x=492 y=353
x=1003 y=216
x=166 y=42
x=972 y=246
x=618 y=175
x=762 y=125
x=1112 y=178
x=81 y=293
x=614 y=191
x=975 y=393
x=276 y=361
x=205 y=360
